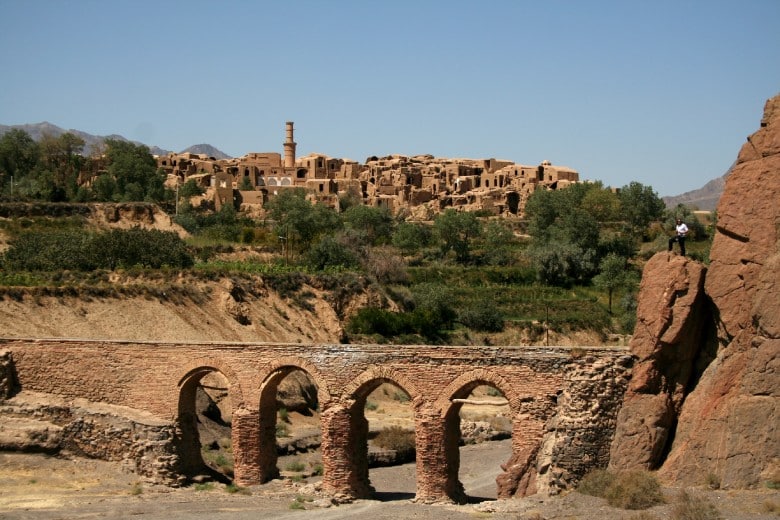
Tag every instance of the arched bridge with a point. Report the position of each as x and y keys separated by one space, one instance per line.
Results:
x=563 y=402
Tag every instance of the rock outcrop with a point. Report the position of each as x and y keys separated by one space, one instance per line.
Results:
x=671 y=319
x=719 y=422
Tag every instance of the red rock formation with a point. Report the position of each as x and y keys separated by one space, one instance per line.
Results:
x=671 y=317
x=727 y=425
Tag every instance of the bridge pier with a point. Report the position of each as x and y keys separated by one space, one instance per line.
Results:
x=435 y=468
x=345 y=452
x=250 y=464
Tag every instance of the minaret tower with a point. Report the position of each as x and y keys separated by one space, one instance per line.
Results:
x=289 y=147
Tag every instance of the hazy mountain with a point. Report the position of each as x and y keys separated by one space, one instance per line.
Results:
x=705 y=198
x=207 y=149
x=38 y=130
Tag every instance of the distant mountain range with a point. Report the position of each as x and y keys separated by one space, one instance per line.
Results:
x=38 y=130
x=705 y=198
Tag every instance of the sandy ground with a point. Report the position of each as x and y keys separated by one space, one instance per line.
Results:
x=40 y=487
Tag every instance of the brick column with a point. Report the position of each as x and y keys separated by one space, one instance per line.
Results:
x=436 y=468
x=345 y=452
x=245 y=432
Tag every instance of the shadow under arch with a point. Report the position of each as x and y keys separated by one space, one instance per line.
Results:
x=355 y=394
x=187 y=444
x=461 y=388
x=269 y=386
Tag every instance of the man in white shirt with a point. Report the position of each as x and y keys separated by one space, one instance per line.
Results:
x=682 y=232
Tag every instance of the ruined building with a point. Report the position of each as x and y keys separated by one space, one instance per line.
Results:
x=417 y=187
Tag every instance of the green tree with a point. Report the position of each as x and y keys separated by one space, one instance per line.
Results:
x=375 y=224
x=63 y=157
x=299 y=221
x=190 y=189
x=19 y=155
x=601 y=203
x=411 y=237
x=456 y=231
x=135 y=171
x=498 y=240
x=640 y=205
x=246 y=184
x=612 y=275
x=330 y=252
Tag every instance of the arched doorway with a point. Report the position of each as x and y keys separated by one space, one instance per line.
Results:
x=478 y=431
x=382 y=434
x=203 y=442
x=290 y=425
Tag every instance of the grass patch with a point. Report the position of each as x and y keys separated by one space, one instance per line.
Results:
x=204 y=486
x=295 y=466
x=232 y=488
x=634 y=489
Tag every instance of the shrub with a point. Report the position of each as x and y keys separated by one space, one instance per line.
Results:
x=79 y=251
x=397 y=439
x=692 y=507
x=596 y=483
x=295 y=466
x=482 y=316
x=634 y=490
x=282 y=430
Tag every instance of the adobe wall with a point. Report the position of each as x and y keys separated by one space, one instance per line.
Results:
x=159 y=379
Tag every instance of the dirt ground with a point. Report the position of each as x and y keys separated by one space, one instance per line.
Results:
x=34 y=486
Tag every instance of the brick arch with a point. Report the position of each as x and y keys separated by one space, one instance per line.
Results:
x=292 y=362
x=475 y=378
x=461 y=387
x=204 y=365
x=187 y=445
x=384 y=373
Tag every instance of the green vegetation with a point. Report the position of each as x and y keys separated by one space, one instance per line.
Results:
x=295 y=466
x=397 y=439
x=465 y=277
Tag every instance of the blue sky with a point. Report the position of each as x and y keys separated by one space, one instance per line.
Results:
x=663 y=92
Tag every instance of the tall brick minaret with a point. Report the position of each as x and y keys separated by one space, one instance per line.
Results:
x=289 y=147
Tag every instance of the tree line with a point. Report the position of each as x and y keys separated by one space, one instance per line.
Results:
x=55 y=170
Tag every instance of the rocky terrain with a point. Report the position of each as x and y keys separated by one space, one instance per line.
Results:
x=703 y=402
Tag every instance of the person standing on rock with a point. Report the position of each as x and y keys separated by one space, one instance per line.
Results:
x=681 y=232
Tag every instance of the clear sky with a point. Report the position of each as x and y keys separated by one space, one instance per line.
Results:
x=663 y=92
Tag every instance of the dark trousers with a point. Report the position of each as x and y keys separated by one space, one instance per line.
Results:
x=679 y=239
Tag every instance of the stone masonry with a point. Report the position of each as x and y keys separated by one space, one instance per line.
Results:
x=562 y=404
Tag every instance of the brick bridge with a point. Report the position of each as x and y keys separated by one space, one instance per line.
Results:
x=563 y=403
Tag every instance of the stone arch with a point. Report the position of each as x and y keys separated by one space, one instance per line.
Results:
x=199 y=367
x=461 y=387
x=381 y=374
x=265 y=447
x=466 y=382
x=187 y=443
x=345 y=431
x=289 y=363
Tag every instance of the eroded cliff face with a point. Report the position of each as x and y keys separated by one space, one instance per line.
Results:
x=720 y=420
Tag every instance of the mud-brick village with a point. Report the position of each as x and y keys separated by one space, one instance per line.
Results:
x=687 y=399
